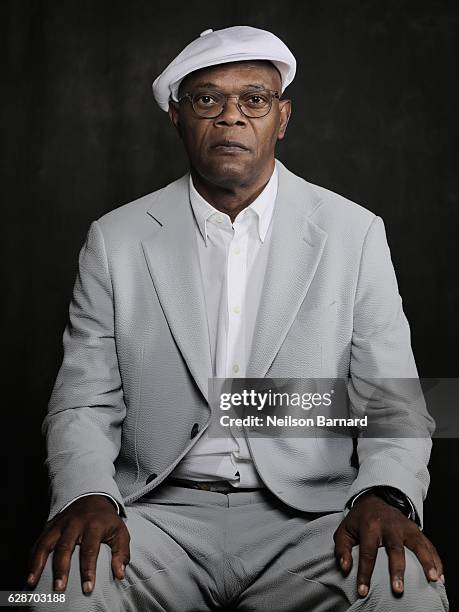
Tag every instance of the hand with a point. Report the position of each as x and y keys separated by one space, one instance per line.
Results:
x=372 y=523
x=88 y=521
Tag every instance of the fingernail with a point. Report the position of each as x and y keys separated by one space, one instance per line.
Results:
x=31 y=578
x=398 y=585
x=87 y=586
x=433 y=574
x=123 y=567
x=363 y=590
x=58 y=585
x=442 y=578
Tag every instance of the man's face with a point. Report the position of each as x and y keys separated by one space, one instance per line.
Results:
x=219 y=164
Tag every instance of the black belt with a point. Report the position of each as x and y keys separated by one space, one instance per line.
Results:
x=217 y=486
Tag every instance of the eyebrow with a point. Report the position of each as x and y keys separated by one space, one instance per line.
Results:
x=247 y=86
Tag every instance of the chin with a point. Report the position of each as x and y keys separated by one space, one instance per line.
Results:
x=226 y=171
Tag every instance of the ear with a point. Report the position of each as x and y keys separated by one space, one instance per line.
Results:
x=174 y=116
x=285 y=110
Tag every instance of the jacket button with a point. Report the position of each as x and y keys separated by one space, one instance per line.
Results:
x=194 y=430
x=151 y=477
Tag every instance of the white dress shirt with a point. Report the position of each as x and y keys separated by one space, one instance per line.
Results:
x=233 y=260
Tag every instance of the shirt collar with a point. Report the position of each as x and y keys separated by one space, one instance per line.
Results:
x=262 y=206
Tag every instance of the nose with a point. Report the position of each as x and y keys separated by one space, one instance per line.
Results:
x=231 y=115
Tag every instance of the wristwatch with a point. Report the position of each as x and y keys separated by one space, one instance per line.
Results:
x=391 y=496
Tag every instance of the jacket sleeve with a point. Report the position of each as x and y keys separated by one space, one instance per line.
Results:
x=384 y=382
x=86 y=409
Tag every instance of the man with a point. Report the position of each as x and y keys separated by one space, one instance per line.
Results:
x=237 y=269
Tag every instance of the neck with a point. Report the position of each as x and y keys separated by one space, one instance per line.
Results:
x=232 y=199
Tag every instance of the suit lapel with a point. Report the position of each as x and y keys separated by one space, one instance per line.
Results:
x=173 y=261
x=296 y=248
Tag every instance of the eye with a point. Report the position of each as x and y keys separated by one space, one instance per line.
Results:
x=205 y=99
x=255 y=100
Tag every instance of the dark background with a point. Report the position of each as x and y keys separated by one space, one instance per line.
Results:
x=375 y=118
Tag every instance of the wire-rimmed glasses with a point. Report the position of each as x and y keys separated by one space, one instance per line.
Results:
x=252 y=103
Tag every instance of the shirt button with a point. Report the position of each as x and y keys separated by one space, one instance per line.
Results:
x=220 y=219
x=237 y=251
x=235 y=368
x=236 y=310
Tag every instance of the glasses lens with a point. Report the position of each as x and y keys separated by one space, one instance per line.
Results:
x=255 y=104
x=208 y=103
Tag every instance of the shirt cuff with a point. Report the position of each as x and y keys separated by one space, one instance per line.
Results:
x=115 y=503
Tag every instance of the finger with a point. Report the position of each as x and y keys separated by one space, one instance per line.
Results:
x=437 y=560
x=39 y=556
x=62 y=557
x=396 y=553
x=343 y=548
x=418 y=544
x=368 y=550
x=89 y=551
x=120 y=552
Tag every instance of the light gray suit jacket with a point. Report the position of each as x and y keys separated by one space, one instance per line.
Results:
x=134 y=379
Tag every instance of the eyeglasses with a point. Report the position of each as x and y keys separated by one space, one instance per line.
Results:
x=251 y=103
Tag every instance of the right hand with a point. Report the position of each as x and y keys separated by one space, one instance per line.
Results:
x=88 y=521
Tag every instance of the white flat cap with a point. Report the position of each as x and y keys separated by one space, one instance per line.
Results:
x=220 y=47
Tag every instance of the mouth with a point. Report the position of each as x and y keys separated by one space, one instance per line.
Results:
x=229 y=146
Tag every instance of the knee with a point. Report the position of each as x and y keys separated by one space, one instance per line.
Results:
x=419 y=594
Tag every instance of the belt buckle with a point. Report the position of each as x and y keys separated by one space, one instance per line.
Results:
x=204 y=486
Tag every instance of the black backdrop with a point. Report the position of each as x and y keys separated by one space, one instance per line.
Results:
x=374 y=118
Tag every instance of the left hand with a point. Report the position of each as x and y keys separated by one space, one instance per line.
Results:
x=372 y=523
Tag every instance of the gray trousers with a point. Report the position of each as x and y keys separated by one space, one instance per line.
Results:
x=194 y=550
